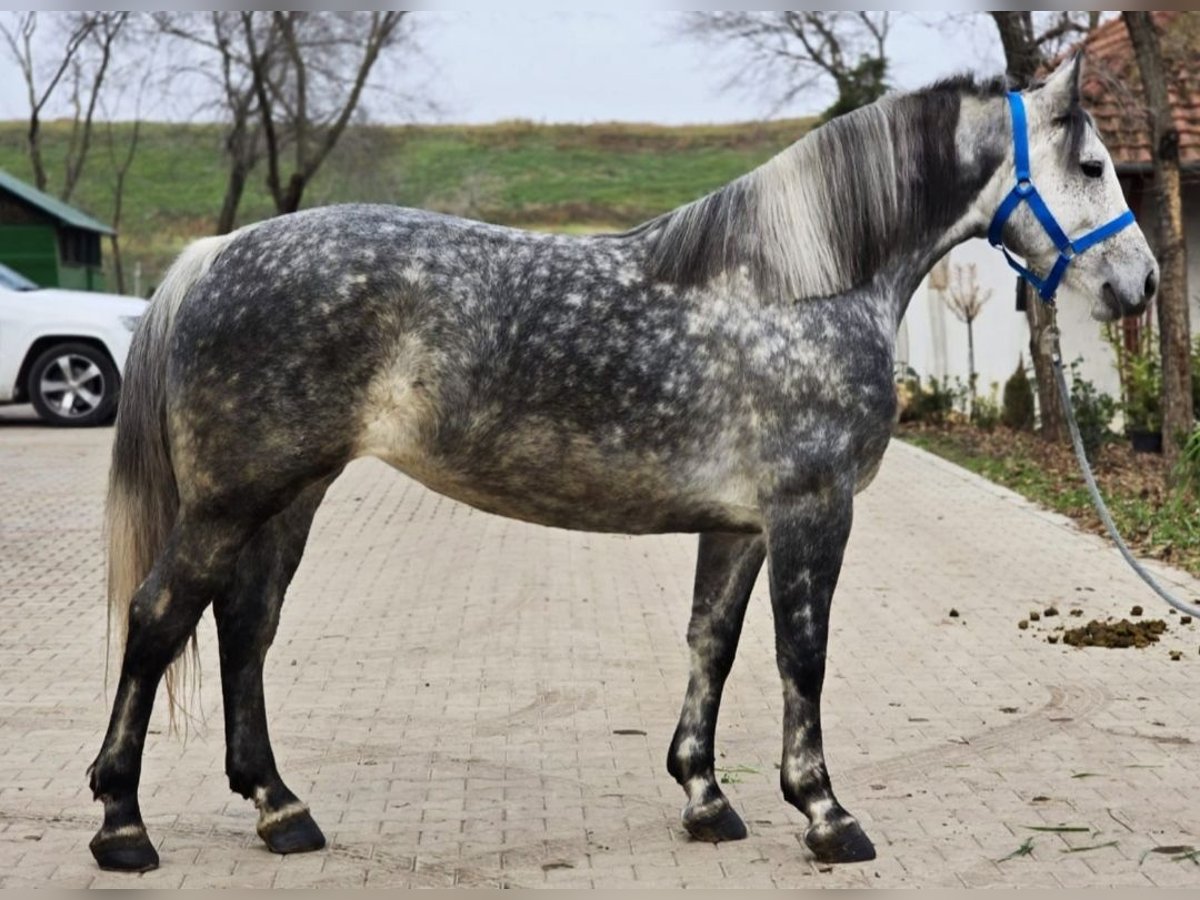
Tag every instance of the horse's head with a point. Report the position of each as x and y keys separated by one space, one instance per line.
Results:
x=1074 y=175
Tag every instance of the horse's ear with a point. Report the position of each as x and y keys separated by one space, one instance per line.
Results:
x=1076 y=76
x=1062 y=87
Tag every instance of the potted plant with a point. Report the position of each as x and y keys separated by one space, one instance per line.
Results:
x=1141 y=387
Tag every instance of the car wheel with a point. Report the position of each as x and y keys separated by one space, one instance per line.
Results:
x=74 y=385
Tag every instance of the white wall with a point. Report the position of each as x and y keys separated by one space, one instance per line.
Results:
x=933 y=342
x=936 y=341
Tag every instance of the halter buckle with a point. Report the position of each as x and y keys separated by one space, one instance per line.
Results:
x=1024 y=187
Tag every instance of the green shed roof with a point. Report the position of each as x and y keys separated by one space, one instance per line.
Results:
x=51 y=206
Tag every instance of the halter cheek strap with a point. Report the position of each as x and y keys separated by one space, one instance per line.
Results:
x=1025 y=192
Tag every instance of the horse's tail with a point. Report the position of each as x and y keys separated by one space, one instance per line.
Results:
x=143 y=497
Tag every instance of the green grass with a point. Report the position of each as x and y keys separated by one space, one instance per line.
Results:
x=561 y=177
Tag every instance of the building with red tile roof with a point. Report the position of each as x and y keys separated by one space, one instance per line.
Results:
x=1112 y=89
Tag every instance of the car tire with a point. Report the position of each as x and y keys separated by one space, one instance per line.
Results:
x=74 y=385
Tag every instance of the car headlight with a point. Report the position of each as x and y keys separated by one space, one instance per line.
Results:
x=130 y=322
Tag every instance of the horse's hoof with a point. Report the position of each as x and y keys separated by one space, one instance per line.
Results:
x=846 y=844
x=298 y=833
x=726 y=825
x=126 y=850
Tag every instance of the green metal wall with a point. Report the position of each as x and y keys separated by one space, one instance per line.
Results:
x=32 y=250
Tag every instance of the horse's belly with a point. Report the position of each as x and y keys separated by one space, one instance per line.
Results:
x=547 y=479
x=627 y=501
x=536 y=468
x=606 y=511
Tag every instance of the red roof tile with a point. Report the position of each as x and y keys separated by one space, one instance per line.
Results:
x=1112 y=87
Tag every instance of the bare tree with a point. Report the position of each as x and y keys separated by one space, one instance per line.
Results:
x=308 y=83
x=219 y=36
x=1173 y=326
x=19 y=30
x=287 y=84
x=79 y=63
x=1029 y=38
x=965 y=298
x=793 y=51
x=121 y=141
x=1028 y=41
x=88 y=71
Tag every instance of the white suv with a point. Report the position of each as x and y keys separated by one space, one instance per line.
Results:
x=63 y=351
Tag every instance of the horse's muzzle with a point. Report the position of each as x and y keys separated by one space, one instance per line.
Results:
x=1127 y=303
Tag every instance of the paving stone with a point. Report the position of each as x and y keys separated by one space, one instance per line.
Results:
x=458 y=679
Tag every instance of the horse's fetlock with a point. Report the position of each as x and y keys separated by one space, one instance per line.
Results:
x=241 y=783
x=688 y=758
x=109 y=779
x=805 y=795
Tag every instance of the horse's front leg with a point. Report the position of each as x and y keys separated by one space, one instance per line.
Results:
x=726 y=569
x=806 y=537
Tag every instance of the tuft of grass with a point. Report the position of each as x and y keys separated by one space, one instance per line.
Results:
x=732 y=774
x=1025 y=849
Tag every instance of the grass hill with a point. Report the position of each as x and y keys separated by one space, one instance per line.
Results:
x=560 y=177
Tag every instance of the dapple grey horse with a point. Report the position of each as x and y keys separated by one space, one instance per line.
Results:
x=725 y=369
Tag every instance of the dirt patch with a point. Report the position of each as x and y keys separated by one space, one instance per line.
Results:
x=1116 y=634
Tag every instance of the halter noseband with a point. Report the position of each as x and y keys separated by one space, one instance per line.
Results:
x=1024 y=191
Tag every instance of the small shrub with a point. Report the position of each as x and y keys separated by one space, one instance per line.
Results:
x=1140 y=369
x=923 y=403
x=1094 y=411
x=1143 y=385
x=1186 y=475
x=1017 y=410
x=986 y=412
x=1196 y=378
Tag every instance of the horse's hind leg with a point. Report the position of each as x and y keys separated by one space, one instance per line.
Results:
x=806 y=537
x=247 y=618
x=725 y=573
x=195 y=567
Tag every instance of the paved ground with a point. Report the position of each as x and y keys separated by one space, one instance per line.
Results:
x=465 y=700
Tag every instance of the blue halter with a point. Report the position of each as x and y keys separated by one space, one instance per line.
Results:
x=1024 y=191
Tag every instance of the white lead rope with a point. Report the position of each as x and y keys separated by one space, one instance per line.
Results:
x=1097 y=500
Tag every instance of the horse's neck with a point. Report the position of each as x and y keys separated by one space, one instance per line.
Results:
x=878 y=196
x=873 y=198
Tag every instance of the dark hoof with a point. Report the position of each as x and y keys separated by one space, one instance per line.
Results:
x=726 y=825
x=847 y=844
x=297 y=833
x=122 y=852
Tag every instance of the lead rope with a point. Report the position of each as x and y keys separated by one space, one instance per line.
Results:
x=1050 y=336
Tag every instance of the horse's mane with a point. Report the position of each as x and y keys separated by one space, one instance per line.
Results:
x=820 y=217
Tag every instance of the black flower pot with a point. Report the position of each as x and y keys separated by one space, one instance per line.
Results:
x=1145 y=441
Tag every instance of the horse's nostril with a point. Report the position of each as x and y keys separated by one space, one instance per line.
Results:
x=1151 y=284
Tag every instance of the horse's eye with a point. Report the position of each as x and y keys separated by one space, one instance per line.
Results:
x=1092 y=169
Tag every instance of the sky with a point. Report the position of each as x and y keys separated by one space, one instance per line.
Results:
x=620 y=65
